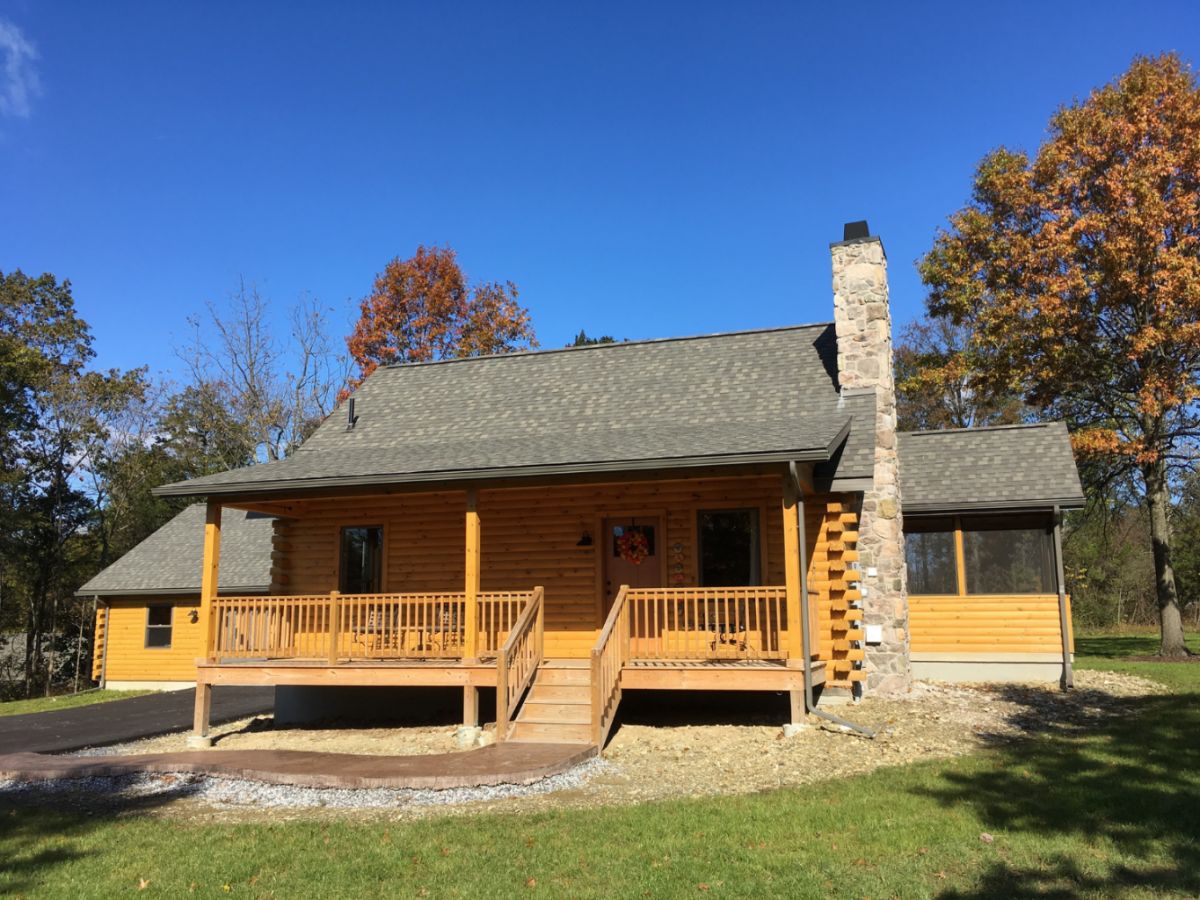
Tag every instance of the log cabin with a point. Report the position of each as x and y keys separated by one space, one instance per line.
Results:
x=731 y=512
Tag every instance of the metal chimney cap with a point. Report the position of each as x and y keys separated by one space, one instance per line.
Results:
x=854 y=231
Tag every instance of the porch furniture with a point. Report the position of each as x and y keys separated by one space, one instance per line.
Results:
x=445 y=631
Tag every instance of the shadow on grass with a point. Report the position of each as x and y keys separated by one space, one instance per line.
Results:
x=55 y=817
x=1116 y=646
x=1129 y=785
x=1123 y=646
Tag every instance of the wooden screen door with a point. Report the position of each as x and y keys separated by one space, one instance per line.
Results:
x=619 y=569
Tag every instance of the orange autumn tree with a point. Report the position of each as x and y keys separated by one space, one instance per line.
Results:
x=1077 y=276
x=422 y=309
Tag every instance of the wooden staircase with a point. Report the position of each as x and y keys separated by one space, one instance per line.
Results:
x=558 y=707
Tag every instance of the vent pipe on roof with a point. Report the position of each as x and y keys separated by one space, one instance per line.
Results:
x=351 y=418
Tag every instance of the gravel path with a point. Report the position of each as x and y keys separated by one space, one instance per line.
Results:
x=233 y=792
x=671 y=758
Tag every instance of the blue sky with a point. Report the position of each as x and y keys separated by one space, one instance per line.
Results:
x=640 y=169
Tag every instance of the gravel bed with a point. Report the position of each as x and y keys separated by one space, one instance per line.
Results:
x=235 y=792
x=682 y=747
x=259 y=733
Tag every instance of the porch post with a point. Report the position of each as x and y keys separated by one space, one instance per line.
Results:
x=209 y=575
x=1064 y=627
x=209 y=581
x=471 y=615
x=791 y=570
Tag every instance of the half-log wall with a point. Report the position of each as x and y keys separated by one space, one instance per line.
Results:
x=554 y=536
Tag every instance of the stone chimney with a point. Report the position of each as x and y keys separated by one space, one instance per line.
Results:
x=863 y=322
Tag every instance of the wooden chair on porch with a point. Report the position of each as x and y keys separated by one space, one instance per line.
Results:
x=378 y=632
x=445 y=633
x=727 y=636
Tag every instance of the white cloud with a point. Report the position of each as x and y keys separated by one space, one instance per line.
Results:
x=19 y=82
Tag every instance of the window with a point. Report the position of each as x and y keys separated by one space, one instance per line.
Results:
x=361 y=560
x=1002 y=554
x=158 y=626
x=929 y=553
x=1008 y=555
x=728 y=552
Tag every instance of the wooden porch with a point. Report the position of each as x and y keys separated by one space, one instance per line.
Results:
x=559 y=657
x=654 y=639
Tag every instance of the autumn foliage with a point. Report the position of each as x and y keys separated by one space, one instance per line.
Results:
x=423 y=309
x=1077 y=275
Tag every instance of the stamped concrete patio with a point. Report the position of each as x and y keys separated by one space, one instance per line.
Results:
x=508 y=763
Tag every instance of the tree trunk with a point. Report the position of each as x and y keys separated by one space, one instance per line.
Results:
x=1169 y=617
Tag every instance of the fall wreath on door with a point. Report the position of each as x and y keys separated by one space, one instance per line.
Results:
x=632 y=546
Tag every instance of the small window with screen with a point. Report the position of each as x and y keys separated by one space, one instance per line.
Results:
x=158 y=626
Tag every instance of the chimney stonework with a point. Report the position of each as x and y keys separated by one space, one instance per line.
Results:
x=863 y=322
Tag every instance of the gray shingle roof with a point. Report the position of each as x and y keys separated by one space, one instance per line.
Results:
x=743 y=397
x=169 y=561
x=1003 y=467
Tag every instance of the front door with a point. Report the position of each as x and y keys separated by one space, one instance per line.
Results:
x=632 y=545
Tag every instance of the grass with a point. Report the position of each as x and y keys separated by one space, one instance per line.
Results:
x=1108 y=651
x=1110 y=811
x=64 y=701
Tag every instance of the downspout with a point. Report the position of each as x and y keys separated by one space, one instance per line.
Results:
x=810 y=705
x=1068 y=678
x=104 y=651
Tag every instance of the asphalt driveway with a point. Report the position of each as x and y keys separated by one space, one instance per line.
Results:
x=116 y=721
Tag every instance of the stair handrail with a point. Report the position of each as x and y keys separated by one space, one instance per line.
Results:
x=609 y=656
x=518 y=660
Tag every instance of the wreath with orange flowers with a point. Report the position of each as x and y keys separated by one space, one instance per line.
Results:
x=632 y=546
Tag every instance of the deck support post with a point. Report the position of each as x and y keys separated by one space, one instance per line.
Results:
x=200 y=723
x=471 y=613
x=793 y=578
x=471 y=706
x=796 y=700
x=209 y=578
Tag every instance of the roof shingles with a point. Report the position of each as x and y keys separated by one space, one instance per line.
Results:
x=988 y=468
x=171 y=559
x=732 y=397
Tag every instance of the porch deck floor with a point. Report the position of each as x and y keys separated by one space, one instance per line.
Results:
x=707 y=664
x=490 y=663
x=400 y=662
x=507 y=763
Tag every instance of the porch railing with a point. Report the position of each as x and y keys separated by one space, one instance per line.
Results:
x=518 y=661
x=708 y=623
x=609 y=656
x=335 y=627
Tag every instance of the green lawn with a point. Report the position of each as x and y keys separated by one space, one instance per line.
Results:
x=64 y=701
x=1107 y=651
x=1112 y=812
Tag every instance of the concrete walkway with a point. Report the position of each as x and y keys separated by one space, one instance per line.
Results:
x=507 y=763
x=116 y=721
